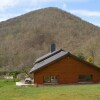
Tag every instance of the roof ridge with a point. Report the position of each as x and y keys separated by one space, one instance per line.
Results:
x=53 y=53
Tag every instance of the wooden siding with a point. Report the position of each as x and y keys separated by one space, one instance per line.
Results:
x=68 y=70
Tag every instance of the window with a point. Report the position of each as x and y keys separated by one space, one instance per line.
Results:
x=47 y=79
x=86 y=77
x=50 y=79
x=53 y=78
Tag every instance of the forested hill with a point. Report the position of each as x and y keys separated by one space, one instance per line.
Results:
x=27 y=37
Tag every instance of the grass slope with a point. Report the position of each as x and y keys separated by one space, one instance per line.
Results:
x=8 y=91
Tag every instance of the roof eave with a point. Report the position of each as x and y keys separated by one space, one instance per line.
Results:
x=49 y=63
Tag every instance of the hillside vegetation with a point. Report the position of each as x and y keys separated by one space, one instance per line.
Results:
x=27 y=37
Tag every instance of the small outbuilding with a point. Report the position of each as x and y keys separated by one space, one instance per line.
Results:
x=60 y=67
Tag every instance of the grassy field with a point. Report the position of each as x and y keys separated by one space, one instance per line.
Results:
x=8 y=91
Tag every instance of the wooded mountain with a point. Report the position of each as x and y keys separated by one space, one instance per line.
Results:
x=27 y=37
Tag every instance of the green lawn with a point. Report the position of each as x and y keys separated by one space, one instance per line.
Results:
x=8 y=91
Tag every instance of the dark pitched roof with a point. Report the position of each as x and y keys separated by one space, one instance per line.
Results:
x=47 y=55
x=48 y=58
x=53 y=56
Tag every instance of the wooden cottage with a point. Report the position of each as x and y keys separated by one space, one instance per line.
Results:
x=60 y=67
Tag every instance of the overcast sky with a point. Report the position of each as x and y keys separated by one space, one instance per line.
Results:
x=88 y=10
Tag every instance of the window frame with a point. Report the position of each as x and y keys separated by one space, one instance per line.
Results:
x=52 y=79
x=85 y=77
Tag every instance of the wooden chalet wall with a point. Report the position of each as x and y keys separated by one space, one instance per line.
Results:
x=68 y=70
